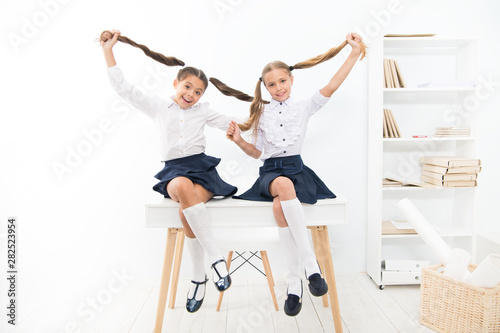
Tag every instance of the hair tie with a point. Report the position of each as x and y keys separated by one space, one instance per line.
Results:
x=260 y=79
x=291 y=68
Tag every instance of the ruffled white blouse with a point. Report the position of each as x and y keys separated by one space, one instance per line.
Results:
x=283 y=125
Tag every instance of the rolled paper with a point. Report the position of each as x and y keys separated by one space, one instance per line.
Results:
x=457 y=264
x=467 y=273
x=425 y=230
x=487 y=274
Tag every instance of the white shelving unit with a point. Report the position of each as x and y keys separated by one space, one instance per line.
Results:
x=418 y=111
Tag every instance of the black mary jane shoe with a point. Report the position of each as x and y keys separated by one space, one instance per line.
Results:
x=192 y=305
x=223 y=282
x=317 y=285
x=293 y=303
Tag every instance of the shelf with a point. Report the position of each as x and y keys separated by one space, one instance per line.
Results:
x=493 y=237
x=444 y=234
x=431 y=139
x=413 y=188
x=451 y=64
x=428 y=90
x=434 y=43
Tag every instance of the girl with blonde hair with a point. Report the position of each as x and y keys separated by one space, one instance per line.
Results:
x=279 y=128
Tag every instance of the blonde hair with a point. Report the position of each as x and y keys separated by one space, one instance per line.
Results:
x=257 y=105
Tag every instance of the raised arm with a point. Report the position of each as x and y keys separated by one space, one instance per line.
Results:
x=233 y=132
x=345 y=69
x=107 y=48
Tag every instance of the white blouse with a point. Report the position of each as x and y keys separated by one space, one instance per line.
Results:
x=283 y=125
x=181 y=131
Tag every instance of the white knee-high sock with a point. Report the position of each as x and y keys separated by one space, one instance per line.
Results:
x=197 y=217
x=294 y=215
x=292 y=261
x=198 y=266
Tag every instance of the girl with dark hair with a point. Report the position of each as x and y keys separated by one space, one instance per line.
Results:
x=189 y=176
x=279 y=127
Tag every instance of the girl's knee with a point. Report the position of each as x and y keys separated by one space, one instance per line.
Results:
x=283 y=185
x=180 y=186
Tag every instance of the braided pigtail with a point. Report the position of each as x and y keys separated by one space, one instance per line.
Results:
x=228 y=91
x=327 y=56
x=168 y=61
x=255 y=108
x=255 y=111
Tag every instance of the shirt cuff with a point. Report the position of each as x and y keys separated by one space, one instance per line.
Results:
x=320 y=99
x=113 y=68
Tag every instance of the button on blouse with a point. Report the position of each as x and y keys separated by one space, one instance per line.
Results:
x=283 y=125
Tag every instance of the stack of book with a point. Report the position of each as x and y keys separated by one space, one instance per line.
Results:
x=452 y=131
x=392 y=75
x=391 y=128
x=450 y=171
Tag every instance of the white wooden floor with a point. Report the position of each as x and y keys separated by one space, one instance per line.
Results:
x=130 y=306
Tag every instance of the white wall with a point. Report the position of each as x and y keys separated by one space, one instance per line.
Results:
x=89 y=221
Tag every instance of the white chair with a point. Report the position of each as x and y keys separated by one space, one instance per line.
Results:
x=251 y=240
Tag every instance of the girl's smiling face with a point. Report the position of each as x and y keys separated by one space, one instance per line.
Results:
x=279 y=84
x=188 y=91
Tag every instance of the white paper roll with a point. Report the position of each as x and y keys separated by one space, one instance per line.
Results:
x=487 y=274
x=457 y=264
x=425 y=230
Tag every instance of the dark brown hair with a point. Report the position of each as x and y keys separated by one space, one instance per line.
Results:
x=168 y=61
x=257 y=101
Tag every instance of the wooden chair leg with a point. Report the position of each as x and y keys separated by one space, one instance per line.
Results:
x=270 y=281
x=221 y=294
x=165 y=278
x=321 y=262
x=177 y=267
x=325 y=254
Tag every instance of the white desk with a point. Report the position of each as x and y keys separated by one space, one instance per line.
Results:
x=234 y=213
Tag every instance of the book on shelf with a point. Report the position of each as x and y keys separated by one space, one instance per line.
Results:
x=393 y=182
x=452 y=131
x=391 y=128
x=450 y=177
x=397 y=228
x=392 y=75
x=444 y=183
x=450 y=171
x=450 y=161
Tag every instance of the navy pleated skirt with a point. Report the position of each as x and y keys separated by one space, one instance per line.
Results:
x=308 y=186
x=200 y=169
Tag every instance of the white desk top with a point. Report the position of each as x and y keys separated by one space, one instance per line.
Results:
x=235 y=213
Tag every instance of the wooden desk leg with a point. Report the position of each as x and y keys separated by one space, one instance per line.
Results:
x=221 y=294
x=165 y=278
x=321 y=261
x=325 y=254
x=270 y=274
x=270 y=280
x=179 y=245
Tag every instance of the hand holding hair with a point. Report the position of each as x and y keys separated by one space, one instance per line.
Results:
x=232 y=130
x=108 y=39
x=355 y=41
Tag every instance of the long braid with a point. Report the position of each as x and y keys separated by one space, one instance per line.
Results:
x=228 y=91
x=169 y=61
x=327 y=56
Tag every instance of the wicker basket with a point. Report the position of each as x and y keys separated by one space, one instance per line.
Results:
x=451 y=306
